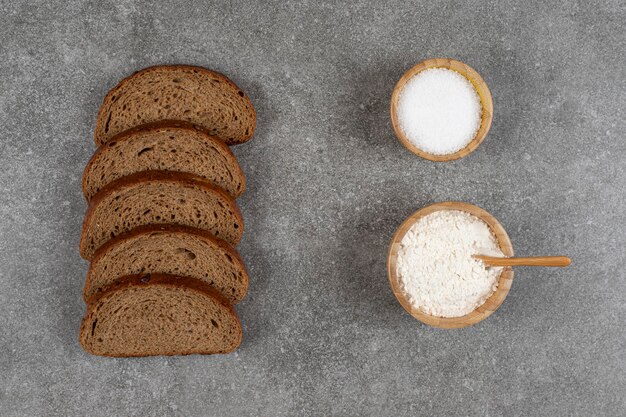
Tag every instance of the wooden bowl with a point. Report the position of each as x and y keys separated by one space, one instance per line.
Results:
x=481 y=312
x=481 y=88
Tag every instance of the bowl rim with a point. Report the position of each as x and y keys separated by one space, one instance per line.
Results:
x=481 y=88
x=491 y=304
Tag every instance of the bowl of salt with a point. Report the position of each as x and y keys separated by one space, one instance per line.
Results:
x=432 y=270
x=441 y=109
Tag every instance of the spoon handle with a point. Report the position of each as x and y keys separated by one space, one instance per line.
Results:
x=533 y=261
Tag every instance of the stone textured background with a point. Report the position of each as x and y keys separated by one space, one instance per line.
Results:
x=327 y=186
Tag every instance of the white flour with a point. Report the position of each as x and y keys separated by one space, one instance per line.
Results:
x=436 y=268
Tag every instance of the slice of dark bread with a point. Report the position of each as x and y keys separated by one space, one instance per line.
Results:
x=177 y=92
x=159 y=197
x=169 y=249
x=165 y=146
x=147 y=315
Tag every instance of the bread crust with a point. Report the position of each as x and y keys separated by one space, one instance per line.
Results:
x=99 y=138
x=155 y=127
x=162 y=279
x=167 y=228
x=169 y=280
x=164 y=176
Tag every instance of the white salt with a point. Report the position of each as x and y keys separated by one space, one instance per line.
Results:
x=436 y=268
x=439 y=111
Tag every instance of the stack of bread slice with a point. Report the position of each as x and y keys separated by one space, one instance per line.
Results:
x=162 y=222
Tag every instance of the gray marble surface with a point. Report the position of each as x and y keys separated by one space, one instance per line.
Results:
x=327 y=186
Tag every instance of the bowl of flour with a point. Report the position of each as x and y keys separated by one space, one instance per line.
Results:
x=432 y=270
x=441 y=109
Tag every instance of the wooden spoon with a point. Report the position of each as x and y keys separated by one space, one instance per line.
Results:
x=533 y=261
